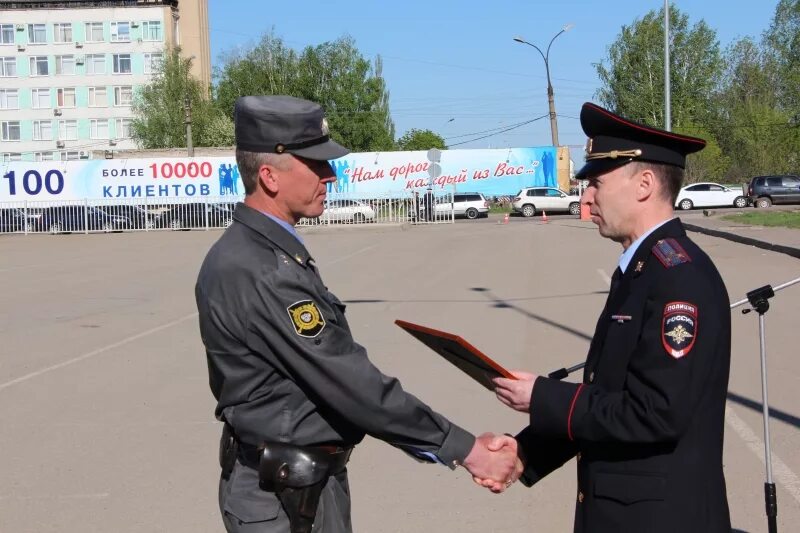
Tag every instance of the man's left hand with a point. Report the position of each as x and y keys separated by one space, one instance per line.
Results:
x=516 y=393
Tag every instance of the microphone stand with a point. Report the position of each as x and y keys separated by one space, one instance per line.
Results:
x=759 y=302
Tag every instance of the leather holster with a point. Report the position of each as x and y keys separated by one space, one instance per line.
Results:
x=297 y=475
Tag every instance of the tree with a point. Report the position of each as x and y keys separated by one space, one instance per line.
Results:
x=415 y=139
x=158 y=108
x=334 y=74
x=783 y=41
x=632 y=76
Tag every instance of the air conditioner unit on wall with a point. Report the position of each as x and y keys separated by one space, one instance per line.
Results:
x=79 y=60
x=20 y=27
x=59 y=144
x=78 y=44
x=20 y=48
x=83 y=155
x=112 y=142
x=134 y=24
x=57 y=112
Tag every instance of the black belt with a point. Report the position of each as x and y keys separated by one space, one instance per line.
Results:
x=250 y=455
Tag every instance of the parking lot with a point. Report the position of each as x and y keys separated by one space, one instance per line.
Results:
x=108 y=418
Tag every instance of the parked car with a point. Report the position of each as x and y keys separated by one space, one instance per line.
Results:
x=138 y=217
x=342 y=210
x=710 y=195
x=470 y=205
x=196 y=215
x=13 y=219
x=767 y=190
x=67 y=218
x=530 y=200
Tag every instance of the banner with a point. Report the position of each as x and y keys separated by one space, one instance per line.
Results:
x=363 y=175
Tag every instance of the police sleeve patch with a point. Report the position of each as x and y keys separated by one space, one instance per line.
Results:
x=679 y=328
x=306 y=318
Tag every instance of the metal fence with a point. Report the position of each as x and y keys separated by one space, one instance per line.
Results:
x=152 y=214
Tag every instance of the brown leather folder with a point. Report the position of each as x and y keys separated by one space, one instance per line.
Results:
x=459 y=352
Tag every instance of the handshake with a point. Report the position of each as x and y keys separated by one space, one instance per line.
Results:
x=495 y=461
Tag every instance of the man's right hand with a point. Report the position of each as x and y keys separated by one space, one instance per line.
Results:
x=493 y=461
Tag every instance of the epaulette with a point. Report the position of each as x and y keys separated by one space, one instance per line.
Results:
x=670 y=253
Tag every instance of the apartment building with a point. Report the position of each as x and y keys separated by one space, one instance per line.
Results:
x=69 y=70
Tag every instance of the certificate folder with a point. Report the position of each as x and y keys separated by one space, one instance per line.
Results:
x=459 y=352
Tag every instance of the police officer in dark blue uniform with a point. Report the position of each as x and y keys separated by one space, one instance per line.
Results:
x=296 y=392
x=646 y=424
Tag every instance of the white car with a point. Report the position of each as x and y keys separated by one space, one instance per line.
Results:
x=709 y=195
x=531 y=200
x=351 y=211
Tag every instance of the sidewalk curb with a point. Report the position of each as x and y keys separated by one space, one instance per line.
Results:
x=772 y=247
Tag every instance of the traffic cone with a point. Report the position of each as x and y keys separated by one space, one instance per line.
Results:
x=505 y=219
x=544 y=216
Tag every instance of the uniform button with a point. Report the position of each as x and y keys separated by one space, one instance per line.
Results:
x=456 y=463
x=580 y=497
x=591 y=377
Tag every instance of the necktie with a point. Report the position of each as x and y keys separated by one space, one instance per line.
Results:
x=615 y=281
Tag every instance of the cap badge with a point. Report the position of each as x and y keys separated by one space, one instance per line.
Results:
x=279 y=148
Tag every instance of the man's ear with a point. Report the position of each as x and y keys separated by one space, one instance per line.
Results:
x=267 y=179
x=647 y=185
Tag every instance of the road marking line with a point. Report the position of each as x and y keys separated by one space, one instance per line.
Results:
x=98 y=351
x=780 y=470
x=345 y=258
x=606 y=278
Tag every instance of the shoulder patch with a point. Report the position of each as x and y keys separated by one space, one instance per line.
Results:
x=679 y=328
x=306 y=318
x=670 y=253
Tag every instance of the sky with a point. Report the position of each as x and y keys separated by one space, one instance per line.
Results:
x=453 y=67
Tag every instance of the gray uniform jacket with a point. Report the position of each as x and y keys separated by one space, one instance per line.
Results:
x=282 y=362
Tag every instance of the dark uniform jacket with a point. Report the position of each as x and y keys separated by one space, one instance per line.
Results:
x=282 y=363
x=646 y=424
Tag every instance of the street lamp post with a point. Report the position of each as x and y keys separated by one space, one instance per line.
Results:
x=550 y=98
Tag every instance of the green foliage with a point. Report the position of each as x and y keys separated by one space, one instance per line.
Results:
x=159 y=107
x=415 y=139
x=632 y=77
x=786 y=219
x=334 y=74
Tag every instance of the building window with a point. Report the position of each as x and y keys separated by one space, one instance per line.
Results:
x=6 y=34
x=37 y=33
x=65 y=97
x=120 y=32
x=68 y=130
x=124 y=128
x=40 y=98
x=39 y=66
x=98 y=128
x=95 y=64
x=9 y=99
x=9 y=130
x=123 y=95
x=122 y=63
x=65 y=65
x=43 y=156
x=42 y=130
x=94 y=32
x=70 y=156
x=152 y=62
x=8 y=66
x=97 y=97
x=151 y=30
x=11 y=158
x=62 y=32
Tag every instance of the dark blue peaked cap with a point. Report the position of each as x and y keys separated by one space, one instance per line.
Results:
x=615 y=141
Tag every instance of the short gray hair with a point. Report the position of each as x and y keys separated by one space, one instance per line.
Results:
x=250 y=162
x=670 y=176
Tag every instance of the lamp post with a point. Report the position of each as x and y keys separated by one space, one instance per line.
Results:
x=187 y=111
x=550 y=99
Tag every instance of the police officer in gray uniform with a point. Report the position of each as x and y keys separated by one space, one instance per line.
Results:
x=295 y=391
